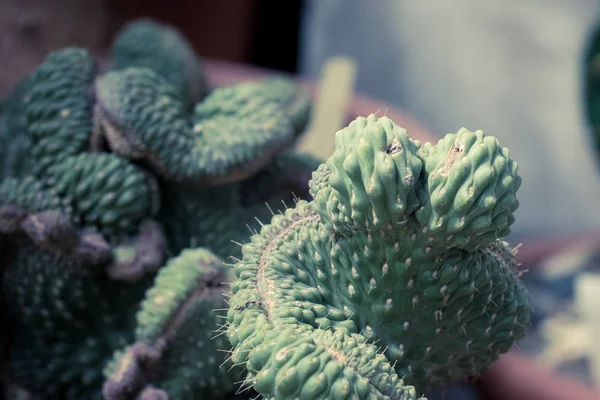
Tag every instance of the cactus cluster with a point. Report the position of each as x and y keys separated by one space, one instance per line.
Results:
x=127 y=190
x=106 y=176
x=393 y=280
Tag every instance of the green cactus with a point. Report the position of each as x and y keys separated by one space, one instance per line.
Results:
x=106 y=191
x=83 y=217
x=59 y=107
x=148 y=43
x=394 y=269
x=284 y=92
x=176 y=330
x=30 y=212
x=591 y=86
x=383 y=277
x=231 y=134
x=14 y=141
x=221 y=217
x=67 y=310
x=65 y=321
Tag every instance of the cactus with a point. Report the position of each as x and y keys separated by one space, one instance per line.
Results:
x=591 y=86
x=175 y=350
x=384 y=277
x=161 y=48
x=232 y=133
x=14 y=143
x=396 y=268
x=116 y=172
x=67 y=312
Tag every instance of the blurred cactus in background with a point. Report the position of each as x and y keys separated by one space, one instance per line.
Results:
x=591 y=82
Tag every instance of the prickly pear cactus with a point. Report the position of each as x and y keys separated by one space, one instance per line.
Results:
x=393 y=280
x=104 y=175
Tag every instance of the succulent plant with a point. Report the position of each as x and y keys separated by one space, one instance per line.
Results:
x=130 y=188
x=176 y=351
x=393 y=280
x=67 y=279
x=106 y=163
x=163 y=49
x=13 y=140
x=142 y=118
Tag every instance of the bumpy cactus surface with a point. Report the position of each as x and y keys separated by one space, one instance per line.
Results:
x=124 y=192
x=393 y=280
x=176 y=350
x=164 y=50
x=106 y=175
x=143 y=118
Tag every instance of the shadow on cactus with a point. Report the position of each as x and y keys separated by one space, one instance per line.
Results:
x=117 y=172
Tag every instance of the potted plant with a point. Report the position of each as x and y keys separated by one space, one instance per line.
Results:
x=135 y=183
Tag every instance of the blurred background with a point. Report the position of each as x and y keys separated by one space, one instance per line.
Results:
x=513 y=69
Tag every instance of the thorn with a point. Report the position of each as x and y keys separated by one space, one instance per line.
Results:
x=516 y=249
x=296 y=198
x=216 y=336
x=284 y=205
x=225 y=351
x=270 y=209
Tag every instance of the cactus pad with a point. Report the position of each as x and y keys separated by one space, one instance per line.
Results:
x=30 y=212
x=285 y=92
